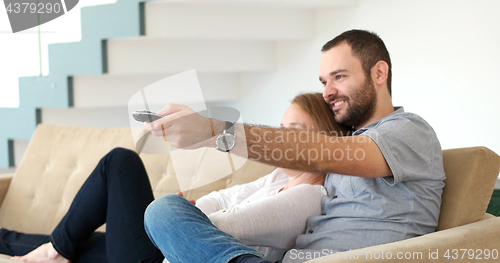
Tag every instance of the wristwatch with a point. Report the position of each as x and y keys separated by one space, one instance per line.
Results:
x=226 y=140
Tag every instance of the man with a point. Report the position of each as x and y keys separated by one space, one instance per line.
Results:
x=384 y=182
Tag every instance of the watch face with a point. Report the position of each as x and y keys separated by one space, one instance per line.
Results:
x=225 y=142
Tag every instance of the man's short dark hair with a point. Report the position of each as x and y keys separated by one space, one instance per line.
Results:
x=367 y=47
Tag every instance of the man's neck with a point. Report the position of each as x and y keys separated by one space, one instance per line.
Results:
x=385 y=108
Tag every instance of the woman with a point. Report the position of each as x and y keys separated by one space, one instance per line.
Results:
x=118 y=192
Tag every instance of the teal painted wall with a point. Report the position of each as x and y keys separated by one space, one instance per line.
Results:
x=122 y=19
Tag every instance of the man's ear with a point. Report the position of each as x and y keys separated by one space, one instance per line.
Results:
x=380 y=72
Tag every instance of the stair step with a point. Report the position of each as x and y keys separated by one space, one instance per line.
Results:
x=267 y=3
x=89 y=117
x=111 y=90
x=206 y=20
x=20 y=147
x=144 y=55
x=10 y=170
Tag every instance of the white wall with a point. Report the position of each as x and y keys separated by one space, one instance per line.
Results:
x=446 y=65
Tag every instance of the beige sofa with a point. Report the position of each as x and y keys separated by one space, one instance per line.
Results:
x=59 y=158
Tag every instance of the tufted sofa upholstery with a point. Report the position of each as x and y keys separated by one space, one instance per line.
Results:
x=59 y=159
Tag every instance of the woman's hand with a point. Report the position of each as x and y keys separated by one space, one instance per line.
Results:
x=192 y=201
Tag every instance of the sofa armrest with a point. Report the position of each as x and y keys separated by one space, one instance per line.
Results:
x=5 y=180
x=478 y=236
x=487 y=216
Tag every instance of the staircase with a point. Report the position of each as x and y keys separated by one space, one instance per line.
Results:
x=130 y=44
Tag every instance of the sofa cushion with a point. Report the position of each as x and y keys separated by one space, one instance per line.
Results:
x=195 y=172
x=470 y=178
x=200 y=171
x=56 y=163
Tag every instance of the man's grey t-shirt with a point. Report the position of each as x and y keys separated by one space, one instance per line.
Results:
x=360 y=212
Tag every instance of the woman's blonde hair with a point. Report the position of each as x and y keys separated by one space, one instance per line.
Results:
x=315 y=105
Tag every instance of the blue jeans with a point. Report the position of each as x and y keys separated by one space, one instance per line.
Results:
x=185 y=234
x=117 y=193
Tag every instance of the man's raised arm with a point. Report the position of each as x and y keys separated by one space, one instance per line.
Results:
x=312 y=151
x=289 y=148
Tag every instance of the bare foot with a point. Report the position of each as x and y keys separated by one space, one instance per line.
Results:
x=43 y=254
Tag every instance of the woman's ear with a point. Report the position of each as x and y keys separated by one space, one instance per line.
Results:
x=380 y=72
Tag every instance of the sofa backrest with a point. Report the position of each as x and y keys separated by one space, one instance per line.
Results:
x=59 y=159
x=471 y=174
x=55 y=165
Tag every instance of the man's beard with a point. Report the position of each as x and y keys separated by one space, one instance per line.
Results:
x=360 y=105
